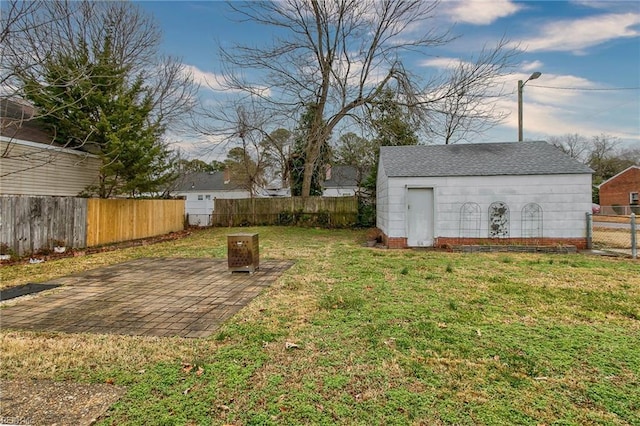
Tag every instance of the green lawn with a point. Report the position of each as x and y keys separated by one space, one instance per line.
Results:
x=383 y=336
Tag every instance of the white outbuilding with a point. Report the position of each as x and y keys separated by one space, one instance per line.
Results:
x=517 y=193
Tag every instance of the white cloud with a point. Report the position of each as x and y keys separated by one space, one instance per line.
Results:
x=480 y=12
x=549 y=111
x=531 y=66
x=441 y=63
x=204 y=78
x=576 y=35
x=214 y=82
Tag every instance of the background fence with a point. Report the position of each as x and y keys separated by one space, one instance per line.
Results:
x=616 y=233
x=33 y=224
x=308 y=211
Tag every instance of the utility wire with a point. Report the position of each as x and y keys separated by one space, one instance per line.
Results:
x=583 y=88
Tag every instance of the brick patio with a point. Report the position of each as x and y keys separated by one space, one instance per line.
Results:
x=150 y=297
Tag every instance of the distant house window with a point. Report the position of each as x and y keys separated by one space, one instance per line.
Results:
x=633 y=198
x=200 y=198
x=207 y=197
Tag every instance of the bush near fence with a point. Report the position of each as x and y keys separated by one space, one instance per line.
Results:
x=31 y=224
x=326 y=212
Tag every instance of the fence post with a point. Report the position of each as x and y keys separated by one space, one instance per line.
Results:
x=589 y=230
x=634 y=242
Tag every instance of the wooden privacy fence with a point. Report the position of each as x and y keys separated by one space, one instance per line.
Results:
x=307 y=211
x=28 y=224
x=110 y=221
x=31 y=224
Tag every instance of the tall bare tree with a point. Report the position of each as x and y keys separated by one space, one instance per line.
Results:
x=338 y=56
x=573 y=144
x=465 y=107
x=248 y=161
x=278 y=145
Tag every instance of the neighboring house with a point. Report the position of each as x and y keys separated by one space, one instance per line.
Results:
x=340 y=181
x=518 y=193
x=200 y=191
x=621 y=192
x=31 y=164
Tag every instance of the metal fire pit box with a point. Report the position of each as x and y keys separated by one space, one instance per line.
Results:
x=243 y=252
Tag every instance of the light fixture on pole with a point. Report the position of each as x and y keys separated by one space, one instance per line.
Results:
x=520 y=87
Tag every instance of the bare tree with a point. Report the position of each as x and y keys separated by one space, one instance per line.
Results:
x=248 y=161
x=464 y=108
x=602 y=153
x=358 y=152
x=573 y=144
x=277 y=146
x=606 y=158
x=338 y=56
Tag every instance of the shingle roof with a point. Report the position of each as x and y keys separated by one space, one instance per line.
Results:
x=342 y=177
x=482 y=159
x=17 y=122
x=205 y=181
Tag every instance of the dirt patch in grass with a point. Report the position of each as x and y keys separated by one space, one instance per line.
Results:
x=36 y=402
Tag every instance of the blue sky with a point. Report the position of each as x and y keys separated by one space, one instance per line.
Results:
x=587 y=51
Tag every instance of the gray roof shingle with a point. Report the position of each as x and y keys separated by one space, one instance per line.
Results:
x=480 y=159
x=205 y=181
x=341 y=177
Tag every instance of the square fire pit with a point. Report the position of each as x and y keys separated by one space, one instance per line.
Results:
x=243 y=252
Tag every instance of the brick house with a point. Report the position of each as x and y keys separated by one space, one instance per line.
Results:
x=621 y=192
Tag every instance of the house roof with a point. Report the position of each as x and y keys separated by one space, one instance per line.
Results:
x=17 y=122
x=342 y=177
x=206 y=181
x=619 y=174
x=482 y=159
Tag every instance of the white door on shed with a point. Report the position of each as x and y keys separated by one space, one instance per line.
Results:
x=420 y=217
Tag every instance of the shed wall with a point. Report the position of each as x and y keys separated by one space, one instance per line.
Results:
x=382 y=200
x=564 y=200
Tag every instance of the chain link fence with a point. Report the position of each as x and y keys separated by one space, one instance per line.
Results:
x=616 y=233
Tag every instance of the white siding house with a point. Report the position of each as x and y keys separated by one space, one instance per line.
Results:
x=32 y=164
x=340 y=181
x=514 y=193
x=30 y=168
x=200 y=191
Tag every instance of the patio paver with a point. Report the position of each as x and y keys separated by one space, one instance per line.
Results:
x=150 y=296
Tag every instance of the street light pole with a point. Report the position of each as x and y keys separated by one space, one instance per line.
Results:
x=520 y=89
